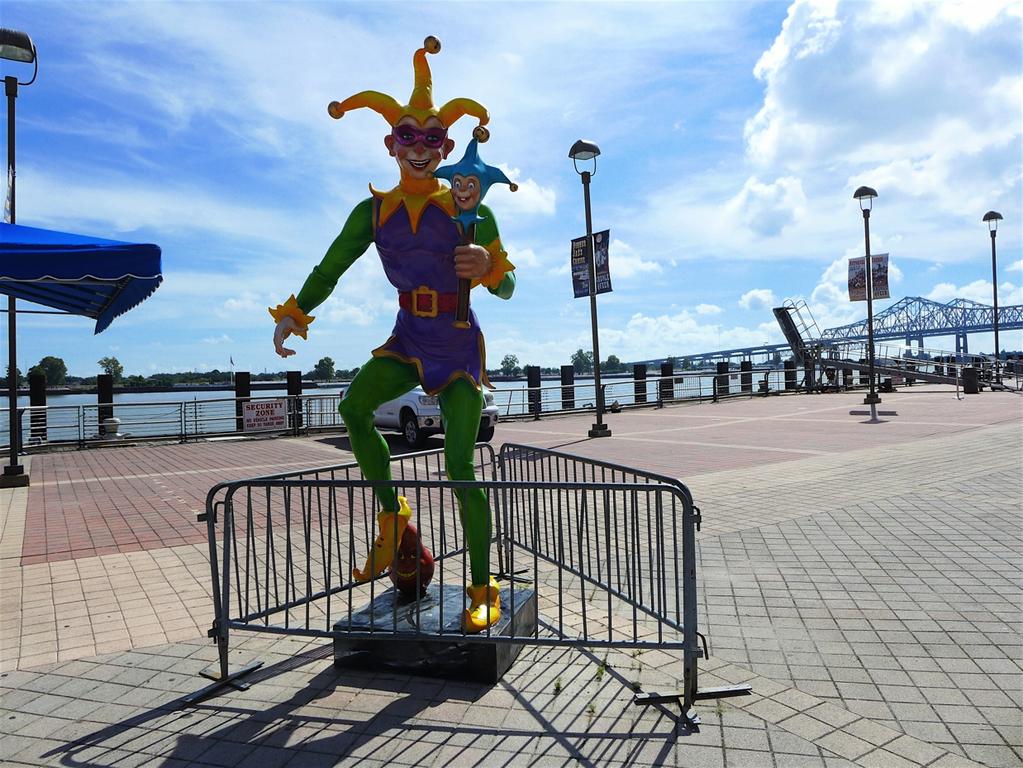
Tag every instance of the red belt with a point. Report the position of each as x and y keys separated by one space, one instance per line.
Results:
x=426 y=302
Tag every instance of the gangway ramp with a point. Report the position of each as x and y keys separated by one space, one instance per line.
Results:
x=893 y=368
x=799 y=328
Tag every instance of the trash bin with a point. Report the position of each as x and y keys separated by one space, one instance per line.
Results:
x=971 y=384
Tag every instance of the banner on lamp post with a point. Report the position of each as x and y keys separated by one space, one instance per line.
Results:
x=878 y=273
x=601 y=264
x=580 y=268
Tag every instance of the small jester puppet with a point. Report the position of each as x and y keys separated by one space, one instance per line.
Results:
x=470 y=179
x=414 y=230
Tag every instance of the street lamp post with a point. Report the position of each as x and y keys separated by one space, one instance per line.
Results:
x=14 y=46
x=865 y=196
x=992 y=218
x=584 y=150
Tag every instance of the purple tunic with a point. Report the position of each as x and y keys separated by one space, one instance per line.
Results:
x=440 y=351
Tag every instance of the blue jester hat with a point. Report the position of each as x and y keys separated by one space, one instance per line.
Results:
x=472 y=165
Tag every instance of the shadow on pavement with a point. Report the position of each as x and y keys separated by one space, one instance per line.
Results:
x=237 y=728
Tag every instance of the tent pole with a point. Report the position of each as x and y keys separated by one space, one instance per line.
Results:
x=14 y=473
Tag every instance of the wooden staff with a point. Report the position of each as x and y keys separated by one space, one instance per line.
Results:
x=462 y=306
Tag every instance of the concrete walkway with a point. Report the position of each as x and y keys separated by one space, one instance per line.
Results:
x=865 y=578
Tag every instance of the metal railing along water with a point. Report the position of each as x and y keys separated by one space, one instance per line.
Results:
x=82 y=424
x=183 y=419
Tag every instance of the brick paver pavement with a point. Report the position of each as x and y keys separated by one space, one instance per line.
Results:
x=865 y=578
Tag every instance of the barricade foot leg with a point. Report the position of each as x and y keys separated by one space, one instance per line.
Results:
x=688 y=718
x=724 y=691
x=220 y=681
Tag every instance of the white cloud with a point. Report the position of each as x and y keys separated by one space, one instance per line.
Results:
x=1016 y=266
x=221 y=339
x=522 y=257
x=979 y=291
x=708 y=309
x=768 y=208
x=644 y=337
x=627 y=263
x=248 y=180
x=529 y=198
x=757 y=299
x=126 y=204
x=849 y=84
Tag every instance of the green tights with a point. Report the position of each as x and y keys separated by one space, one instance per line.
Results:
x=383 y=379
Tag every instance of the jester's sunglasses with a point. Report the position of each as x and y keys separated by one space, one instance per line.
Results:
x=409 y=135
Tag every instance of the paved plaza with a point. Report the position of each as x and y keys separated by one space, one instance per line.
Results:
x=864 y=578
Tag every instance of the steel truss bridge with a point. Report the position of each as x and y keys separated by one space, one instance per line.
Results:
x=914 y=318
x=909 y=320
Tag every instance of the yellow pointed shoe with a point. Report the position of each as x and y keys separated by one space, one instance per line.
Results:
x=484 y=607
x=392 y=526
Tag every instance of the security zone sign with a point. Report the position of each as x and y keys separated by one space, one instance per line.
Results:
x=261 y=415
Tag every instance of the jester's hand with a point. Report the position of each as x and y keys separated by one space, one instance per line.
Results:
x=284 y=329
x=471 y=261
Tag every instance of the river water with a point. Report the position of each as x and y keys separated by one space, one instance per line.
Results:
x=75 y=417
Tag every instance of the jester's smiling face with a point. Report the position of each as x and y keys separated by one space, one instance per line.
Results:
x=466 y=190
x=418 y=148
x=412 y=568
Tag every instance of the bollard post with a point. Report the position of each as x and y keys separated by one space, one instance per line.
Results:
x=809 y=373
x=847 y=378
x=639 y=383
x=295 y=399
x=666 y=387
x=105 y=398
x=534 y=394
x=37 y=397
x=971 y=385
x=568 y=387
x=242 y=389
x=721 y=380
x=938 y=368
x=910 y=370
x=746 y=376
x=790 y=375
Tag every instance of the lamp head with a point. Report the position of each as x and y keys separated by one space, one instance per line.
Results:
x=992 y=218
x=866 y=196
x=16 y=46
x=584 y=150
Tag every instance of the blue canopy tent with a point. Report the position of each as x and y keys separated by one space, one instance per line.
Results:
x=73 y=274
x=77 y=274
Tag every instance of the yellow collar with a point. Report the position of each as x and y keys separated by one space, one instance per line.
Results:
x=416 y=194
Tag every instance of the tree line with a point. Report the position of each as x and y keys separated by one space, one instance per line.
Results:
x=54 y=369
x=582 y=362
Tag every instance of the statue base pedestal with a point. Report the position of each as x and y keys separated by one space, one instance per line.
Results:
x=438 y=650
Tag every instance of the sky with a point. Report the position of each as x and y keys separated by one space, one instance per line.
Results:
x=732 y=136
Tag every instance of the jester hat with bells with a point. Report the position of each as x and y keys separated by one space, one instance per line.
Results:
x=420 y=106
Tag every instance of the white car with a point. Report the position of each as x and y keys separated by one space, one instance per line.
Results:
x=417 y=415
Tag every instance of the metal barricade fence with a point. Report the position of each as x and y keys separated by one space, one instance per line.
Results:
x=609 y=552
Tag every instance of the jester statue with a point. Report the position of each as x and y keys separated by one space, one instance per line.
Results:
x=420 y=239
